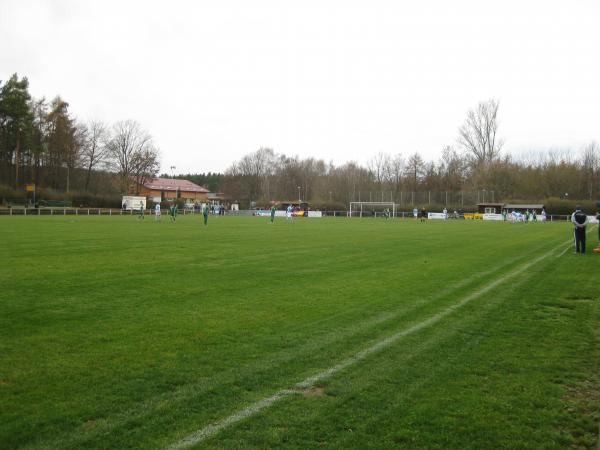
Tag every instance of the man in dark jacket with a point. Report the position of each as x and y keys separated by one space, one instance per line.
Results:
x=580 y=220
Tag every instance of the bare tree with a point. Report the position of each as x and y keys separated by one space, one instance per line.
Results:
x=253 y=171
x=379 y=167
x=478 y=134
x=452 y=169
x=395 y=172
x=590 y=161
x=415 y=167
x=95 y=148
x=144 y=165
x=128 y=146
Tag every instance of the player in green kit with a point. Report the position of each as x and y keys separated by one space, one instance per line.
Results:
x=272 y=213
x=141 y=215
x=173 y=212
x=205 y=214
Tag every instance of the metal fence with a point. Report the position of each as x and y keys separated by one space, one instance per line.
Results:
x=82 y=212
x=248 y=213
x=422 y=198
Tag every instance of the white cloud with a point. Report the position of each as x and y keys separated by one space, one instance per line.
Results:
x=338 y=80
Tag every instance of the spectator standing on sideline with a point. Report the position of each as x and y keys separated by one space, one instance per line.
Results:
x=580 y=220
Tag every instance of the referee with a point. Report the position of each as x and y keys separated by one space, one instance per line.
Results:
x=580 y=220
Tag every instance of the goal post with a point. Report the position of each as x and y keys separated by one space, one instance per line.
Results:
x=372 y=208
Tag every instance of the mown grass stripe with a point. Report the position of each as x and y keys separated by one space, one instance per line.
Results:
x=212 y=429
x=163 y=402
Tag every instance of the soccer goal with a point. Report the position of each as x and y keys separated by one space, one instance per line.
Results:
x=372 y=209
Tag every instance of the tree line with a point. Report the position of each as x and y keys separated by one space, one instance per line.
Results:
x=475 y=164
x=41 y=142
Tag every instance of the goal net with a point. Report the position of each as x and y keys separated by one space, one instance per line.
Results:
x=372 y=209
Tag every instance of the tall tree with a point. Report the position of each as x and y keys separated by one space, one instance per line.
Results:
x=64 y=143
x=15 y=126
x=478 y=134
x=415 y=168
x=379 y=167
x=39 y=144
x=144 y=165
x=452 y=169
x=396 y=171
x=591 y=166
x=95 y=149
x=132 y=153
x=253 y=170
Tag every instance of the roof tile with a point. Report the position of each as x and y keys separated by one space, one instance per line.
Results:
x=172 y=184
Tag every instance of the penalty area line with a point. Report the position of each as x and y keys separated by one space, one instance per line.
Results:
x=214 y=428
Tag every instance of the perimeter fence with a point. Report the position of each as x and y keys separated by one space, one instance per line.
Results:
x=248 y=213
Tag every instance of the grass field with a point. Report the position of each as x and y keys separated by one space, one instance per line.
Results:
x=361 y=333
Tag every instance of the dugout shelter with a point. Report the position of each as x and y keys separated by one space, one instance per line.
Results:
x=490 y=208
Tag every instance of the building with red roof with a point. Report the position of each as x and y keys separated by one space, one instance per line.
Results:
x=171 y=188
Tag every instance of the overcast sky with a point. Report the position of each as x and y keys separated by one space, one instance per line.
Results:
x=338 y=80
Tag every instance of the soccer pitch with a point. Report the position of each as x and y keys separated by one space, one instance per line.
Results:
x=321 y=333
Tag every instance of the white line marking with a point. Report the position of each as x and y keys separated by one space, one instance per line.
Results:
x=212 y=429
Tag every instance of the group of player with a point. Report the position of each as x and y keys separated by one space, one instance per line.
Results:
x=513 y=216
x=527 y=216
x=289 y=213
x=173 y=212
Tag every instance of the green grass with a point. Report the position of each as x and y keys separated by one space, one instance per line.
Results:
x=119 y=333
